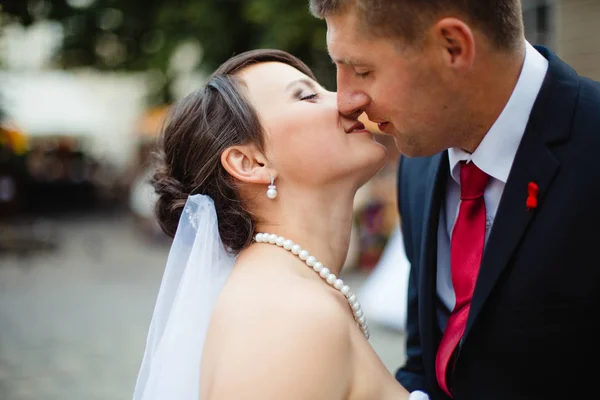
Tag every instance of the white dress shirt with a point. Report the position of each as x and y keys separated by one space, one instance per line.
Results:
x=494 y=156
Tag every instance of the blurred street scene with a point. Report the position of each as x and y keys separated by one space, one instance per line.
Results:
x=84 y=88
x=74 y=317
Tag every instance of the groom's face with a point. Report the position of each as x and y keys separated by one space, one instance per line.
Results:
x=401 y=87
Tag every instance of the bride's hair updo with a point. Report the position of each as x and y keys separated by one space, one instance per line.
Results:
x=197 y=131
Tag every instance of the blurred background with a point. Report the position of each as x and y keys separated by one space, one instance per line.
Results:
x=84 y=88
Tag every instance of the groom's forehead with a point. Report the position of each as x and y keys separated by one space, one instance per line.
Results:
x=347 y=49
x=347 y=54
x=343 y=51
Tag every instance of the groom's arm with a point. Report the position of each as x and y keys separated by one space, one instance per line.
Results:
x=412 y=374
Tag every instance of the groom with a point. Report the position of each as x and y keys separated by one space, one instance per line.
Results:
x=499 y=192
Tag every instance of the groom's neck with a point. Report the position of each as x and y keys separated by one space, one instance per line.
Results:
x=494 y=83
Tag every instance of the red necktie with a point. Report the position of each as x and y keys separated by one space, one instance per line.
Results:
x=466 y=250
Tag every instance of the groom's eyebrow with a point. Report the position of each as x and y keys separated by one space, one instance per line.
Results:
x=348 y=61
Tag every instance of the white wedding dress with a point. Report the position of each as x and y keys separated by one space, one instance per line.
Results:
x=384 y=294
x=197 y=268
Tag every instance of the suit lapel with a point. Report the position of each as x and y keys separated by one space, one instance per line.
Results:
x=437 y=175
x=549 y=122
x=534 y=164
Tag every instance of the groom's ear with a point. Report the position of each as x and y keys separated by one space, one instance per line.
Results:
x=245 y=163
x=456 y=42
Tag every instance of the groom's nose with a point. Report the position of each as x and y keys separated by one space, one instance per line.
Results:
x=352 y=104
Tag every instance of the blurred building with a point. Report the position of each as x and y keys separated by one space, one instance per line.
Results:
x=570 y=28
x=578 y=35
x=77 y=125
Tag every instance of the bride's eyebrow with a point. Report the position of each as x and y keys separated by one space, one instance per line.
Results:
x=301 y=81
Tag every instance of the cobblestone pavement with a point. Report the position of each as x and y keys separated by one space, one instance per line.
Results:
x=73 y=321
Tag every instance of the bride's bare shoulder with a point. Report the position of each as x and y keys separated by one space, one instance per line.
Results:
x=278 y=327
x=281 y=297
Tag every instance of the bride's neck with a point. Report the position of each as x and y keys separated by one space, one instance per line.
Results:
x=319 y=223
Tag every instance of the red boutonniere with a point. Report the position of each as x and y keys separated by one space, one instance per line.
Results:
x=532 y=197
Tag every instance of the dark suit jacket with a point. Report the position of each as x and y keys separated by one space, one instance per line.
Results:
x=533 y=331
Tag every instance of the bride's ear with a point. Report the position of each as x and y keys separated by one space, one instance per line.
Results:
x=246 y=164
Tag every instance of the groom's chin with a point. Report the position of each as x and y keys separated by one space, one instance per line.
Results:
x=412 y=149
x=407 y=150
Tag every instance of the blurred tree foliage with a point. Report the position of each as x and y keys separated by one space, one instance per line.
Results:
x=139 y=35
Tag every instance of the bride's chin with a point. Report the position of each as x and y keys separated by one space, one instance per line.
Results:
x=368 y=173
x=375 y=163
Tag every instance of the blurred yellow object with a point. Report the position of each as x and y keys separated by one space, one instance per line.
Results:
x=150 y=124
x=370 y=125
x=13 y=138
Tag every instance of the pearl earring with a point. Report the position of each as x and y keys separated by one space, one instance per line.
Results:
x=272 y=192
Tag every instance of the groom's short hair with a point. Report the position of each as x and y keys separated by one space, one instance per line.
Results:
x=500 y=20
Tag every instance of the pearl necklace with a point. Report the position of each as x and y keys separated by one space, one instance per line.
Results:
x=322 y=271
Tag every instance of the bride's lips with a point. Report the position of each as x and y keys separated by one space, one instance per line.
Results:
x=358 y=127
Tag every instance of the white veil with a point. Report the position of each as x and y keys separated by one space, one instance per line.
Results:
x=197 y=268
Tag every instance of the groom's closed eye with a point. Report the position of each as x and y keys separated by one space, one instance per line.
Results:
x=359 y=68
x=362 y=75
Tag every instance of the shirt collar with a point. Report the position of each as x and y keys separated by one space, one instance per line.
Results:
x=496 y=152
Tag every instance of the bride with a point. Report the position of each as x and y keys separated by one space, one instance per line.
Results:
x=255 y=180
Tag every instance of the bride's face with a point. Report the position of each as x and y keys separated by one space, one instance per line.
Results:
x=307 y=141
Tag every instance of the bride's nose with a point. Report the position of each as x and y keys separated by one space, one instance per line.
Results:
x=330 y=99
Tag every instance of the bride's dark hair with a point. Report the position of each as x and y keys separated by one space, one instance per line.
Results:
x=197 y=131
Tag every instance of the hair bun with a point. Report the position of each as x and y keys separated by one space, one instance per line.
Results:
x=171 y=199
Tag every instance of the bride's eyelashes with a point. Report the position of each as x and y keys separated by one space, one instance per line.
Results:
x=303 y=95
x=309 y=97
